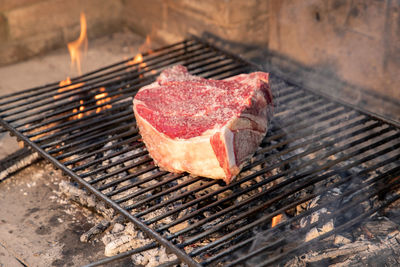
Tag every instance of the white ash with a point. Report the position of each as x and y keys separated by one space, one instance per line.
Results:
x=118 y=227
x=384 y=252
x=134 y=152
x=153 y=257
x=121 y=244
x=156 y=213
x=341 y=240
x=315 y=232
x=83 y=198
x=121 y=237
x=20 y=163
x=133 y=190
x=125 y=238
x=318 y=231
x=97 y=229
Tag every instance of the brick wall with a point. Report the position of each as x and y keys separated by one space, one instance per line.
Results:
x=31 y=27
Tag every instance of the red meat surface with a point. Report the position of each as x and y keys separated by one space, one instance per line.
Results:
x=202 y=126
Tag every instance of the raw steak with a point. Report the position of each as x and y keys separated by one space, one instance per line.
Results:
x=204 y=127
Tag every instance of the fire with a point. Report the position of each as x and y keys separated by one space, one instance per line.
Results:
x=146 y=45
x=75 y=53
x=81 y=108
x=75 y=47
x=101 y=99
x=275 y=220
x=66 y=88
x=138 y=59
x=65 y=82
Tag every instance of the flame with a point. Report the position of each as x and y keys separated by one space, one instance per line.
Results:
x=65 y=82
x=75 y=47
x=67 y=88
x=146 y=45
x=275 y=220
x=138 y=59
x=101 y=99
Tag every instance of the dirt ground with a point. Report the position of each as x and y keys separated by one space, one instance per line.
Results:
x=37 y=226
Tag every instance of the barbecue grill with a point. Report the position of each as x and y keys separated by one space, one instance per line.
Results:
x=316 y=145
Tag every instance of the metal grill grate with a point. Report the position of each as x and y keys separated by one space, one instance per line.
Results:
x=315 y=146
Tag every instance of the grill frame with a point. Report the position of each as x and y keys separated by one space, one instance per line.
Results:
x=238 y=65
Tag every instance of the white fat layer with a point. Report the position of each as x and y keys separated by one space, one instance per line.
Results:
x=194 y=155
x=228 y=137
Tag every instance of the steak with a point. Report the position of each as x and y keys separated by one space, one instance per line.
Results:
x=205 y=127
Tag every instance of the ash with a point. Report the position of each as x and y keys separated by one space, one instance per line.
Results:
x=376 y=243
x=118 y=236
x=124 y=237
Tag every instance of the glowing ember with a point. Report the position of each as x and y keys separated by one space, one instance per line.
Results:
x=101 y=99
x=75 y=47
x=65 y=82
x=275 y=220
x=137 y=59
x=67 y=88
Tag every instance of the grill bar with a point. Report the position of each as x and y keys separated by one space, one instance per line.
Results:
x=87 y=129
x=308 y=197
x=231 y=186
x=196 y=238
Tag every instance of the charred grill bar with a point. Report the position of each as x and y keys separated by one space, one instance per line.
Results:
x=315 y=146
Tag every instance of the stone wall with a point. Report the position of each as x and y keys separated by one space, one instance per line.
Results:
x=352 y=41
x=171 y=20
x=357 y=41
x=31 y=27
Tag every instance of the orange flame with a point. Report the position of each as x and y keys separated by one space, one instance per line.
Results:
x=75 y=47
x=101 y=99
x=67 y=88
x=275 y=220
x=75 y=110
x=137 y=59
x=145 y=47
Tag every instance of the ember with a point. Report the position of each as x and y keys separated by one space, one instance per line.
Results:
x=275 y=220
x=63 y=86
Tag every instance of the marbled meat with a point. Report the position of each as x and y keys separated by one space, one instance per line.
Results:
x=202 y=126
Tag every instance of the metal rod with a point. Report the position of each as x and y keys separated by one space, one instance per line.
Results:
x=308 y=197
x=274 y=177
x=150 y=232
